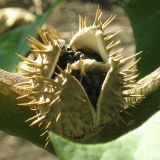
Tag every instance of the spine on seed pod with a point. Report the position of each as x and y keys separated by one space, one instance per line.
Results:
x=78 y=99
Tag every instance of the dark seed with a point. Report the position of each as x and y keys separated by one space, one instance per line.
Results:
x=92 y=80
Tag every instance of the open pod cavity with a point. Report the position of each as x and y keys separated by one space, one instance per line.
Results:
x=78 y=88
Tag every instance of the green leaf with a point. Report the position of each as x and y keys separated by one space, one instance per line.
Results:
x=144 y=16
x=140 y=144
x=15 y=41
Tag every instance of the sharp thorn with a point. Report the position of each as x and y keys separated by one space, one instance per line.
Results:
x=34 y=117
x=132 y=65
x=109 y=20
x=44 y=133
x=37 y=120
x=55 y=100
x=57 y=118
x=126 y=60
x=111 y=36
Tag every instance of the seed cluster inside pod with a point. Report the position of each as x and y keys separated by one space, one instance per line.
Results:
x=92 y=79
x=80 y=87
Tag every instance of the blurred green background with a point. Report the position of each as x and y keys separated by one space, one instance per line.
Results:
x=139 y=21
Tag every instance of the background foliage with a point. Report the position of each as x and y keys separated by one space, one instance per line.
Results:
x=141 y=143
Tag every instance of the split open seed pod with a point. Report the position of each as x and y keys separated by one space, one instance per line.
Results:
x=80 y=87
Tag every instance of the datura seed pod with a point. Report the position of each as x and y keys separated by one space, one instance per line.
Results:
x=78 y=88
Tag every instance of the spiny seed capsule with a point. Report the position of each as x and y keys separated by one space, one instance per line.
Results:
x=78 y=88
